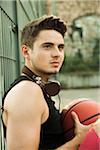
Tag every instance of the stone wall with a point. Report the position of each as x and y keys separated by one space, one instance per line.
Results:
x=72 y=9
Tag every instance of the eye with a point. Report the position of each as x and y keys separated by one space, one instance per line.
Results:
x=47 y=46
x=61 y=47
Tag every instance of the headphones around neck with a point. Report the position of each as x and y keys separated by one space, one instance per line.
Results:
x=51 y=88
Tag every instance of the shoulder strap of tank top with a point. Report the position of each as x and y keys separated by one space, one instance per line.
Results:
x=19 y=79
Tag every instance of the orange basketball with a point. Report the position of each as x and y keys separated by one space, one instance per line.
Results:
x=87 y=110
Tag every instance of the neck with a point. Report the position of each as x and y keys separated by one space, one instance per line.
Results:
x=30 y=72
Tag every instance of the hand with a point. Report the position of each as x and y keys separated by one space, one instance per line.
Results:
x=80 y=133
x=80 y=129
x=96 y=127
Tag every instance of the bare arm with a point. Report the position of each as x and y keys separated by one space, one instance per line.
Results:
x=24 y=106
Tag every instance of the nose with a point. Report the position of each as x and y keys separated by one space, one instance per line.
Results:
x=55 y=52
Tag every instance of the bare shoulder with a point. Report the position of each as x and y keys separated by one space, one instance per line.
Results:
x=23 y=98
x=24 y=113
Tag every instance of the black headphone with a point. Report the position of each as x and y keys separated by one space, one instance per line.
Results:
x=51 y=88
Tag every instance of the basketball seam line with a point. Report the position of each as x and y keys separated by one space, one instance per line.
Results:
x=83 y=121
x=72 y=107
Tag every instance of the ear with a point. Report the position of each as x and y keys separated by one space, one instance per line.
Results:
x=25 y=51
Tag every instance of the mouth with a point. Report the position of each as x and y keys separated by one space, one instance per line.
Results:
x=55 y=63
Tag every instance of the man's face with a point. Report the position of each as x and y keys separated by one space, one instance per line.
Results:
x=48 y=52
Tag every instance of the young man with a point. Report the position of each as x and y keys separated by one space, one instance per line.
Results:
x=31 y=119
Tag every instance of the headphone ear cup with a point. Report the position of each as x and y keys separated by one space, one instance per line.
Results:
x=52 y=88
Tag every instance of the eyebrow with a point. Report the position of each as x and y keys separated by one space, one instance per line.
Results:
x=49 y=43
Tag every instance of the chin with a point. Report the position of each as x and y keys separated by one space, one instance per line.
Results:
x=51 y=71
x=55 y=71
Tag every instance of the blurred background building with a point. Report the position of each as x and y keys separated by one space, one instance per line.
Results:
x=82 y=41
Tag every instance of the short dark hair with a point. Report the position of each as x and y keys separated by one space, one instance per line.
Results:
x=32 y=29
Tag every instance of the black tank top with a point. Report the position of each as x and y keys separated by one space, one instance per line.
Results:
x=51 y=135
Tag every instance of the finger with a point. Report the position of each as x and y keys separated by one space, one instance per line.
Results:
x=94 y=124
x=75 y=117
x=97 y=122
